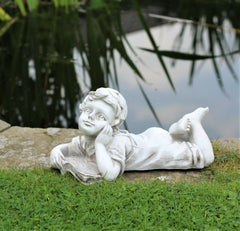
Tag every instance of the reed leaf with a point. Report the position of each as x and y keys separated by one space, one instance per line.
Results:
x=186 y=56
x=146 y=28
x=219 y=42
x=7 y=26
x=32 y=4
x=21 y=7
x=115 y=11
x=96 y=4
x=3 y=15
x=117 y=43
x=194 y=47
x=55 y=2
x=219 y=78
x=116 y=83
x=149 y=104
x=179 y=38
x=122 y=51
x=94 y=40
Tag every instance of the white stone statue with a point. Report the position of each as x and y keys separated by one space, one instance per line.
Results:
x=104 y=151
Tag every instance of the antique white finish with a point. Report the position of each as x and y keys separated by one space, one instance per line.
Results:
x=104 y=151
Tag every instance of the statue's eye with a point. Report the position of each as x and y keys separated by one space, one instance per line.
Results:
x=87 y=110
x=101 y=117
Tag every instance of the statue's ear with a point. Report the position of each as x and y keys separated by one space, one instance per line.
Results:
x=115 y=122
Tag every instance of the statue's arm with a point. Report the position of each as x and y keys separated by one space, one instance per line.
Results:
x=108 y=167
x=57 y=155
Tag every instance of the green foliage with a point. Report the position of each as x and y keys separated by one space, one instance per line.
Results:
x=45 y=41
x=26 y=6
x=3 y=15
x=21 y=6
x=227 y=161
x=44 y=199
x=40 y=63
x=37 y=42
x=194 y=57
x=95 y=4
x=146 y=28
x=32 y=4
x=65 y=3
x=186 y=56
x=7 y=25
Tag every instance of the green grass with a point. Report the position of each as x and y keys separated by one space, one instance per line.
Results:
x=45 y=200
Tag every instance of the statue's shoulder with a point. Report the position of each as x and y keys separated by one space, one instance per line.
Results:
x=121 y=133
x=123 y=137
x=77 y=143
x=76 y=140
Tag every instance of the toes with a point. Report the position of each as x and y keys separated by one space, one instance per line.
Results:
x=188 y=128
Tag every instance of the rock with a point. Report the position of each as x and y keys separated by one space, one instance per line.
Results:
x=22 y=147
x=4 y=125
x=163 y=175
x=227 y=144
x=30 y=147
x=53 y=131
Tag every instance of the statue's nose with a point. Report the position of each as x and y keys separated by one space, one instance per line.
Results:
x=90 y=116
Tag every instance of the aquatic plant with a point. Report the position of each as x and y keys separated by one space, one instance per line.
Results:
x=51 y=66
x=51 y=75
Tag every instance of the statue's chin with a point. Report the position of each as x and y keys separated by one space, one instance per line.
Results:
x=87 y=131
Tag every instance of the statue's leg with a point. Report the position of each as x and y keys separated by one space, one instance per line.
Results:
x=198 y=136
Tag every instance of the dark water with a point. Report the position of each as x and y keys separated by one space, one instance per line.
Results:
x=164 y=67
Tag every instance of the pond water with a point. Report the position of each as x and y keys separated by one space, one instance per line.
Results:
x=223 y=118
x=165 y=67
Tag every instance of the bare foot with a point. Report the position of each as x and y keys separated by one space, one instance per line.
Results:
x=184 y=126
x=181 y=129
x=197 y=115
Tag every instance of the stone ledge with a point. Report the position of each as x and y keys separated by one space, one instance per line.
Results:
x=22 y=147
x=228 y=144
x=4 y=126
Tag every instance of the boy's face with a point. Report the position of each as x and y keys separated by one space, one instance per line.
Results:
x=94 y=117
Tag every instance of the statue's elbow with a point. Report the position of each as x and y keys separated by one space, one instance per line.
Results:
x=109 y=178
x=111 y=175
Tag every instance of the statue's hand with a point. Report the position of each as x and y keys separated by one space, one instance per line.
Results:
x=57 y=158
x=105 y=136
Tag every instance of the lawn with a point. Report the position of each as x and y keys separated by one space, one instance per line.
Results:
x=42 y=199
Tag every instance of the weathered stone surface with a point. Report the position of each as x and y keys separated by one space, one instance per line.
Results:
x=4 y=125
x=30 y=147
x=228 y=144
x=163 y=175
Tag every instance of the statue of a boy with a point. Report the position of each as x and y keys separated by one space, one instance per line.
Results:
x=103 y=151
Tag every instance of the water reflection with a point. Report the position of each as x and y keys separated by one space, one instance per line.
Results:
x=47 y=59
x=38 y=84
x=223 y=121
